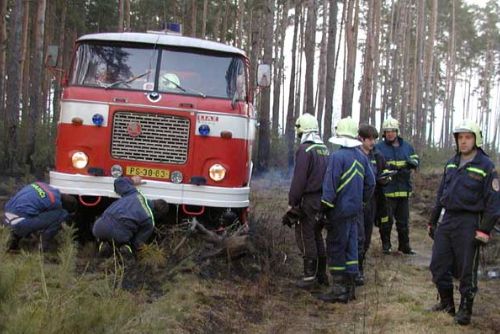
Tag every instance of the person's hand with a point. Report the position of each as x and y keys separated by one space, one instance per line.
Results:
x=412 y=163
x=325 y=208
x=481 y=238
x=431 y=229
x=137 y=180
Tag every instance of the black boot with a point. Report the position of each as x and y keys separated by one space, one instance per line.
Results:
x=464 y=311
x=359 y=279
x=385 y=237
x=446 y=303
x=321 y=275
x=308 y=281
x=404 y=241
x=351 y=283
x=339 y=293
x=13 y=242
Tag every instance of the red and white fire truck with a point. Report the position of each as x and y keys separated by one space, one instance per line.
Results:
x=175 y=110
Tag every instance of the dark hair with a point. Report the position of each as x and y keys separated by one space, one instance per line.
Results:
x=367 y=131
x=160 y=209
x=69 y=203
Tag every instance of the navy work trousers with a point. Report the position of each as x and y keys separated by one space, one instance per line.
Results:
x=342 y=244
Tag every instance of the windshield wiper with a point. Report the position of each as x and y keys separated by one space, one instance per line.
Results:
x=121 y=82
x=185 y=89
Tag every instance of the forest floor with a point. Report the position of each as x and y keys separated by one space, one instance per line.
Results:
x=75 y=292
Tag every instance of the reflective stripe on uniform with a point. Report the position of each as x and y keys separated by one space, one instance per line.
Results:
x=397 y=163
x=477 y=171
x=321 y=146
x=398 y=194
x=327 y=203
x=384 y=219
x=451 y=166
x=351 y=173
x=336 y=268
x=414 y=156
x=12 y=219
x=350 y=263
x=145 y=206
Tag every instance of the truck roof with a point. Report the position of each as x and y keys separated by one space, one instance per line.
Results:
x=161 y=39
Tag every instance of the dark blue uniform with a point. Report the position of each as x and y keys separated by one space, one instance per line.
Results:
x=469 y=195
x=129 y=220
x=398 y=191
x=36 y=207
x=348 y=183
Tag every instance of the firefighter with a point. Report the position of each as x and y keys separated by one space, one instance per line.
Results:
x=367 y=135
x=37 y=207
x=348 y=184
x=304 y=203
x=400 y=157
x=128 y=222
x=467 y=207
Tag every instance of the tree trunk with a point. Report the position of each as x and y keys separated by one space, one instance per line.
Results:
x=330 y=67
x=126 y=15
x=310 y=48
x=322 y=67
x=121 y=8
x=36 y=103
x=428 y=63
x=368 y=66
x=12 y=89
x=3 y=49
x=376 y=58
x=351 y=33
x=204 y=19
x=264 y=131
x=290 y=116
x=194 y=14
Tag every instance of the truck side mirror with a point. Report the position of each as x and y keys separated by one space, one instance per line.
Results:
x=51 y=56
x=264 y=75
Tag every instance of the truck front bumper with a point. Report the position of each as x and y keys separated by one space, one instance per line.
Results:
x=189 y=194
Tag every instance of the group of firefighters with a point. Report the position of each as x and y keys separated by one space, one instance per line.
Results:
x=363 y=183
x=359 y=185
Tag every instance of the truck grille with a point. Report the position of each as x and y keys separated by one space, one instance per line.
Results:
x=150 y=137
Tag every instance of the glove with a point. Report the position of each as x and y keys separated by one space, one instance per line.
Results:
x=431 y=229
x=412 y=163
x=291 y=217
x=325 y=208
x=286 y=221
x=481 y=238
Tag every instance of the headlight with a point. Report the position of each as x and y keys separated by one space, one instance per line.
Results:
x=116 y=171
x=176 y=177
x=79 y=160
x=217 y=172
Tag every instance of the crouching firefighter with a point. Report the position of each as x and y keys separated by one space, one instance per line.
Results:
x=128 y=223
x=349 y=182
x=467 y=208
x=37 y=207
x=304 y=201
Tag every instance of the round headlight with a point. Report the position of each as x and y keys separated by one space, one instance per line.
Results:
x=98 y=119
x=79 y=160
x=116 y=171
x=176 y=177
x=204 y=129
x=217 y=172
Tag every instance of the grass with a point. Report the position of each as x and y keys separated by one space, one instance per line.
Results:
x=74 y=292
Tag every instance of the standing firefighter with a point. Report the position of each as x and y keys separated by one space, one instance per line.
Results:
x=368 y=134
x=468 y=202
x=348 y=184
x=399 y=156
x=304 y=198
x=37 y=207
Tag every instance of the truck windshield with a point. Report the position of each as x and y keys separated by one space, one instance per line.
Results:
x=181 y=71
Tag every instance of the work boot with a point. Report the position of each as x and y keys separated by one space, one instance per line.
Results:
x=321 y=275
x=351 y=283
x=446 y=303
x=339 y=293
x=13 y=243
x=464 y=311
x=126 y=252
x=404 y=241
x=104 y=249
x=359 y=279
x=308 y=281
x=385 y=237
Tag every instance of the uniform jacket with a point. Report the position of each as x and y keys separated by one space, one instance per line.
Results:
x=311 y=160
x=396 y=157
x=349 y=182
x=132 y=212
x=34 y=199
x=377 y=162
x=472 y=187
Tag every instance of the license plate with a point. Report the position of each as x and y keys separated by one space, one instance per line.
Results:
x=148 y=172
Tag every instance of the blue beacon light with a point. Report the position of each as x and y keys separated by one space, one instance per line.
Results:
x=204 y=130
x=98 y=119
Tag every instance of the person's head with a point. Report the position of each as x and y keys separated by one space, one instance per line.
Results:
x=367 y=134
x=306 y=123
x=69 y=203
x=468 y=136
x=169 y=81
x=390 y=129
x=160 y=209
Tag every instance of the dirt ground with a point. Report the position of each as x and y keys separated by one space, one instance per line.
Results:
x=184 y=293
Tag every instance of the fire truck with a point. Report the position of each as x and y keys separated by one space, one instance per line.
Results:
x=175 y=110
